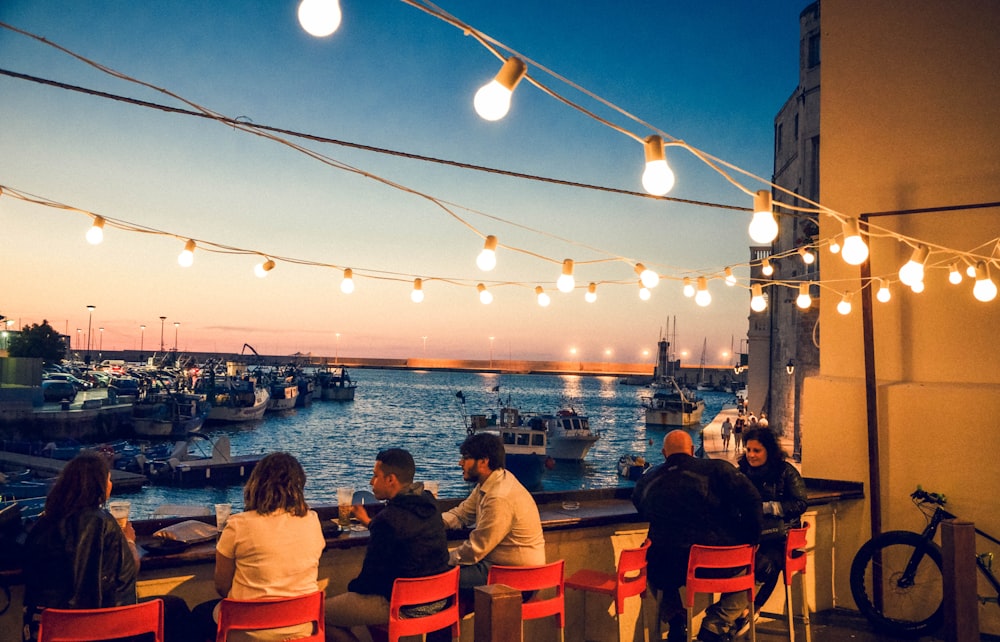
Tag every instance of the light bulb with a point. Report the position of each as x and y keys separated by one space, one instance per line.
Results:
x=649 y=278
x=186 y=257
x=970 y=271
x=566 y=282
x=688 y=289
x=543 y=299
x=883 y=294
x=985 y=289
x=591 y=294
x=657 y=178
x=807 y=256
x=844 y=307
x=730 y=277
x=487 y=259
x=913 y=271
x=954 y=276
x=644 y=292
x=766 y=268
x=703 y=297
x=347 y=285
x=836 y=244
x=763 y=228
x=261 y=269
x=417 y=294
x=917 y=287
x=96 y=232
x=757 y=301
x=803 y=300
x=492 y=101
x=319 y=18
x=484 y=295
x=855 y=250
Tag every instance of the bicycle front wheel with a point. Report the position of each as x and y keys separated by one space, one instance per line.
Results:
x=894 y=601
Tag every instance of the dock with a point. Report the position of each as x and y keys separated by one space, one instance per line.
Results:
x=122 y=482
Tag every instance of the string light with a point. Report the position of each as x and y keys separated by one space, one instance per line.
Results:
x=347 y=284
x=703 y=297
x=766 y=268
x=566 y=282
x=417 y=295
x=844 y=307
x=855 y=249
x=913 y=270
x=484 y=295
x=96 y=232
x=954 y=276
x=261 y=269
x=970 y=270
x=688 y=287
x=985 y=289
x=657 y=178
x=492 y=101
x=917 y=287
x=591 y=294
x=804 y=301
x=807 y=257
x=763 y=228
x=836 y=243
x=319 y=18
x=186 y=257
x=543 y=299
x=649 y=278
x=757 y=301
x=644 y=293
x=883 y=294
x=487 y=259
x=730 y=277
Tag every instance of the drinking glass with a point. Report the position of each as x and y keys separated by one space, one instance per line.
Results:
x=222 y=513
x=345 y=499
x=119 y=509
x=432 y=487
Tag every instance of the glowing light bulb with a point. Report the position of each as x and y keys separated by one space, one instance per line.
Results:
x=766 y=268
x=883 y=294
x=186 y=257
x=319 y=18
x=566 y=282
x=844 y=307
x=487 y=259
x=804 y=301
x=917 y=287
x=855 y=249
x=261 y=269
x=807 y=256
x=757 y=301
x=913 y=271
x=954 y=276
x=543 y=299
x=970 y=271
x=649 y=278
x=657 y=178
x=836 y=244
x=96 y=232
x=688 y=287
x=484 y=295
x=492 y=101
x=644 y=292
x=591 y=294
x=347 y=285
x=730 y=277
x=985 y=289
x=703 y=297
x=417 y=294
x=763 y=228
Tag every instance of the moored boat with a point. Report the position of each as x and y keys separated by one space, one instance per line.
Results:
x=670 y=406
x=632 y=467
x=568 y=434
x=234 y=399
x=284 y=394
x=221 y=468
x=335 y=384
x=168 y=413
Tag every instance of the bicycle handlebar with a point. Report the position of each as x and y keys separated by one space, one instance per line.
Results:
x=922 y=495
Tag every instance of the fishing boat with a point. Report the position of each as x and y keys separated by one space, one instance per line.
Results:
x=669 y=405
x=568 y=434
x=220 y=468
x=166 y=413
x=234 y=399
x=284 y=394
x=335 y=384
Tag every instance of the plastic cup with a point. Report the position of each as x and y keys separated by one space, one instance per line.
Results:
x=119 y=509
x=345 y=500
x=431 y=487
x=222 y=513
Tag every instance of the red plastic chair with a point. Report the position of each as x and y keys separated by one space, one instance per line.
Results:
x=630 y=580
x=739 y=559
x=78 y=625
x=273 y=613
x=795 y=562
x=411 y=591
x=536 y=578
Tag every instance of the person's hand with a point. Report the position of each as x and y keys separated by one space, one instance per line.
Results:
x=129 y=532
x=359 y=513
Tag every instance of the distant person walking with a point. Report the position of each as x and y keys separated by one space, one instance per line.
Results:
x=738 y=433
x=727 y=432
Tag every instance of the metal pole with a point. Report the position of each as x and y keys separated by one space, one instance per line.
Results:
x=90 y=317
x=162 y=319
x=177 y=324
x=142 y=340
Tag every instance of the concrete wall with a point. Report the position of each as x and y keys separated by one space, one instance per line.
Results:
x=910 y=106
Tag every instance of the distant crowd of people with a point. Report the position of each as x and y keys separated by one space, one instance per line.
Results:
x=78 y=556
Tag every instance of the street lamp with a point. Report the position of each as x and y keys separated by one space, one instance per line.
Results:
x=100 y=349
x=177 y=324
x=79 y=339
x=336 y=354
x=491 y=351
x=142 y=339
x=162 y=319
x=90 y=317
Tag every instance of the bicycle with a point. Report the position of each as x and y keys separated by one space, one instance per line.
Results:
x=907 y=567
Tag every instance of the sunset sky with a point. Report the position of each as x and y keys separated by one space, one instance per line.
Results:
x=392 y=77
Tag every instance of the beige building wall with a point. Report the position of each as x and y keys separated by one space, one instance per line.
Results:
x=910 y=118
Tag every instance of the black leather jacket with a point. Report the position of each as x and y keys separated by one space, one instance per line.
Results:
x=783 y=492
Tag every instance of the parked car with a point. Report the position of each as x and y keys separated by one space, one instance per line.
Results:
x=58 y=390
x=127 y=386
x=78 y=383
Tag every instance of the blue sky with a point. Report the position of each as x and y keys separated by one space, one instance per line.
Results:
x=710 y=74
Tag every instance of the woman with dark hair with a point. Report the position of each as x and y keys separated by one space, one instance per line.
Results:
x=78 y=557
x=784 y=495
x=271 y=549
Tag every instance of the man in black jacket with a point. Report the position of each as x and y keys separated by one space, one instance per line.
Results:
x=694 y=501
x=406 y=539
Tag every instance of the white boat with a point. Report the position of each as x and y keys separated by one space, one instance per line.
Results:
x=568 y=434
x=160 y=413
x=284 y=395
x=235 y=400
x=524 y=446
x=669 y=405
x=335 y=384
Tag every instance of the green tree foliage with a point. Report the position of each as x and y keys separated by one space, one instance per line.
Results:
x=38 y=340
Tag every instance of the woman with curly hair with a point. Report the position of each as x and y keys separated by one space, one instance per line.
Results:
x=272 y=549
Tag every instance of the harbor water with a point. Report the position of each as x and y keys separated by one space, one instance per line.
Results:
x=420 y=411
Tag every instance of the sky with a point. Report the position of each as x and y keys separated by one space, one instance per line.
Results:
x=711 y=74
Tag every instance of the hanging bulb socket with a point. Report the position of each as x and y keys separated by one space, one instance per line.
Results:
x=261 y=269
x=487 y=259
x=96 y=232
x=543 y=299
x=985 y=289
x=566 y=282
x=883 y=294
x=804 y=301
x=844 y=307
x=492 y=101
x=657 y=178
x=591 y=294
x=757 y=301
x=913 y=270
x=347 y=285
x=484 y=295
x=730 y=277
x=186 y=257
x=763 y=227
x=417 y=295
x=649 y=278
x=855 y=251
x=703 y=297
x=688 y=287
x=766 y=268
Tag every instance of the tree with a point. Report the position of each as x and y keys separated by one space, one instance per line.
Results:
x=40 y=341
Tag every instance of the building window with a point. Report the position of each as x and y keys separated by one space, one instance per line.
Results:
x=777 y=138
x=796 y=128
x=813 y=55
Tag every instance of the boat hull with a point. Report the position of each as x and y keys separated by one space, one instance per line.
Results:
x=233 y=411
x=568 y=447
x=166 y=428
x=338 y=393
x=283 y=398
x=673 y=418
